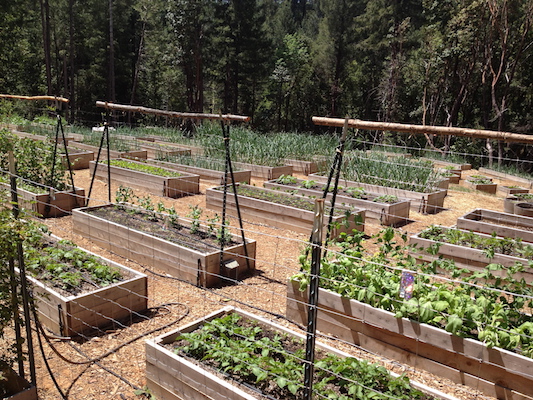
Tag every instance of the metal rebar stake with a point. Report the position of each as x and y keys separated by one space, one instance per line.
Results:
x=316 y=243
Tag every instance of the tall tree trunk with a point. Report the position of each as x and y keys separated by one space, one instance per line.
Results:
x=71 y=93
x=111 y=82
x=45 y=20
x=137 y=65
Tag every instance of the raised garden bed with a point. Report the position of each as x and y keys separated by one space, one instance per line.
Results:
x=15 y=387
x=282 y=210
x=41 y=137
x=452 y=177
x=501 y=224
x=264 y=171
x=196 y=261
x=394 y=212
x=510 y=190
x=172 y=376
x=525 y=209
x=68 y=314
x=447 y=164
x=430 y=203
x=243 y=176
x=55 y=204
x=497 y=372
x=156 y=150
x=306 y=167
x=169 y=183
x=510 y=202
x=79 y=159
x=482 y=184
x=528 y=183
x=471 y=258
x=132 y=154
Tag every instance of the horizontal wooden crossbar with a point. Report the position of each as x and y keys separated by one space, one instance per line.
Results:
x=174 y=114
x=425 y=129
x=32 y=98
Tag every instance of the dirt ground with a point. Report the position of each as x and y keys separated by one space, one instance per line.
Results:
x=116 y=375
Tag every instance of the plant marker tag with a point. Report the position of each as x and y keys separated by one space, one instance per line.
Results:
x=407 y=285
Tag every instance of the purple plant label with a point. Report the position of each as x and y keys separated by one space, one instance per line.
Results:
x=407 y=285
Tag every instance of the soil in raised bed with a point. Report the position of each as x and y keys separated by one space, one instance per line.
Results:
x=87 y=282
x=280 y=198
x=154 y=225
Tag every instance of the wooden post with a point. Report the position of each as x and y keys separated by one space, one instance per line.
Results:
x=426 y=129
x=174 y=114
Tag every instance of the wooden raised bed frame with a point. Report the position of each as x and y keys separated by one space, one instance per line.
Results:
x=16 y=384
x=490 y=188
x=155 y=150
x=173 y=377
x=425 y=203
x=169 y=186
x=264 y=171
x=46 y=205
x=133 y=154
x=204 y=173
x=469 y=258
x=503 y=224
x=72 y=315
x=528 y=183
x=79 y=159
x=496 y=372
x=279 y=215
x=306 y=167
x=197 y=267
x=386 y=213
x=509 y=191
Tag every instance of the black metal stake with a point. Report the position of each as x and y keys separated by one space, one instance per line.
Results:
x=316 y=244
x=22 y=271
x=229 y=169
x=335 y=169
x=104 y=133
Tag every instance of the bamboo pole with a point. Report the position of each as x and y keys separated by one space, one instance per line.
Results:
x=425 y=129
x=54 y=98
x=146 y=110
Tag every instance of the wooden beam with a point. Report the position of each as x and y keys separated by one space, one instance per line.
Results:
x=425 y=129
x=54 y=98
x=174 y=114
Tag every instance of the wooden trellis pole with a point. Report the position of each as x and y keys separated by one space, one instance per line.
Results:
x=426 y=129
x=174 y=114
x=53 y=98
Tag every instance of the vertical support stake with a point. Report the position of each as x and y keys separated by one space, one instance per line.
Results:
x=316 y=244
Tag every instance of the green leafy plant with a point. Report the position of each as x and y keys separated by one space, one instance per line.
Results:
x=356 y=192
x=270 y=361
x=142 y=167
x=195 y=214
x=481 y=305
x=309 y=184
x=34 y=163
x=386 y=198
x=287 y=180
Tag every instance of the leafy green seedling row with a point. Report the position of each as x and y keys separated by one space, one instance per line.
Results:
x=273 y=363
x=65 y=265
x=490 y=245
x=149 y=169
x=479 y=305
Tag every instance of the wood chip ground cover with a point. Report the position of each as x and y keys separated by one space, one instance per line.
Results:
x=277 y=255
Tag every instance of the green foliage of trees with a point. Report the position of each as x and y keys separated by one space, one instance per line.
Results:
x=452 y=63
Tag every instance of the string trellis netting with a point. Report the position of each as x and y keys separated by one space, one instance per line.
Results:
x=429 y=300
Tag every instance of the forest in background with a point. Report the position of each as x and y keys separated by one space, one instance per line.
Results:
x=447 y=62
